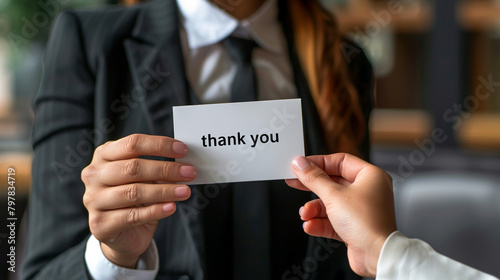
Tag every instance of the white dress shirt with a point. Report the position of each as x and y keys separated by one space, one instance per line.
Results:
x=210 y=72
x=209 y=68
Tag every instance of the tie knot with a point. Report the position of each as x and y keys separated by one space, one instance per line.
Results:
x=240 y=50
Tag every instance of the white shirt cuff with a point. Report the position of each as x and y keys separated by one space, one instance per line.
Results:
x=413 y=259
x=100 y=268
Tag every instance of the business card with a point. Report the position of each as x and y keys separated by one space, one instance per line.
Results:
x=242 y=141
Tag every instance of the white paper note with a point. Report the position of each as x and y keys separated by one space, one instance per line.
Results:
x=245 y=141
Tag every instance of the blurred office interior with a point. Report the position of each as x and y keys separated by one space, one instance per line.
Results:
x=435 y=127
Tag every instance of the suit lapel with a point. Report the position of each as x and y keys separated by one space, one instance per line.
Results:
x=154 y=53
x=155 y=57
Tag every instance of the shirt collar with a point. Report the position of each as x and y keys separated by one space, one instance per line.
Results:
x=207 y=24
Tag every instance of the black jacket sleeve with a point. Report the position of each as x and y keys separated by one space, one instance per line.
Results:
x=58 y=221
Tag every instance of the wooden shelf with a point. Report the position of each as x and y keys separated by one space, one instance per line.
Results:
x=480 y=131
x=414 y=18
x=390 y=126
x=479 y=15
x=21 y=162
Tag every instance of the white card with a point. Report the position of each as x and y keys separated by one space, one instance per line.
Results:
x=237 y=142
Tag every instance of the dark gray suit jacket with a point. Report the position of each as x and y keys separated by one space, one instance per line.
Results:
x=117 y=71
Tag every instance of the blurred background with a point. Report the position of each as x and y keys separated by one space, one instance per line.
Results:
x=436 y=126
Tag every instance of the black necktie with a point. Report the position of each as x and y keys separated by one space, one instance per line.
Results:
x=250 y=211
x=244 y=85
